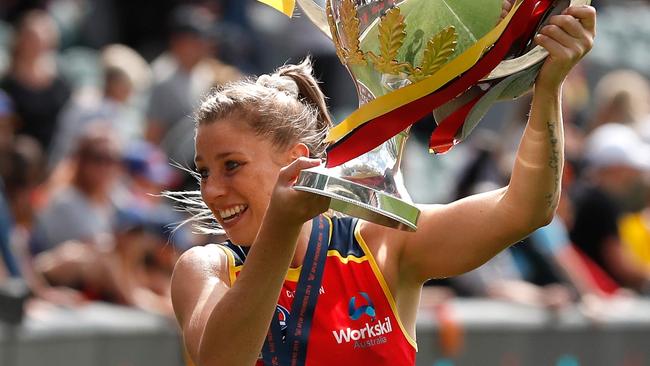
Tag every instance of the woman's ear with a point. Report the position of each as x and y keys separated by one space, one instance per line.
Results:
x=298 y=150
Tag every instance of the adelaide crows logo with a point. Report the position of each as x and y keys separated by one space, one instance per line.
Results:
x=368 y=308
x=283 y=318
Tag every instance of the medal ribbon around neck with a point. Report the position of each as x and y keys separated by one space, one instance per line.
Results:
x=292 y=351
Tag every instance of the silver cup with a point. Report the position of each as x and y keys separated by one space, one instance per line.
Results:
x=371 y=186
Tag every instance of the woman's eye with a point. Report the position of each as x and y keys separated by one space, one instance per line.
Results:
x=203 y=173
x=231 y=165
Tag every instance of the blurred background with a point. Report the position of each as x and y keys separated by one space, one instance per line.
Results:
x=95 y=98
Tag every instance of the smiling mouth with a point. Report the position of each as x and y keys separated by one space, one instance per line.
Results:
x=231 y=214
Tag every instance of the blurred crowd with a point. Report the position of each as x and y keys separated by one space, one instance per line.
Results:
x=95 y=122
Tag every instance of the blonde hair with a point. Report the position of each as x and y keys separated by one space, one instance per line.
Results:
x=286 y=107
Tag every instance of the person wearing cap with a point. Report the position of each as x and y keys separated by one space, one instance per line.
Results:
x=148 y=173
x=616 y=161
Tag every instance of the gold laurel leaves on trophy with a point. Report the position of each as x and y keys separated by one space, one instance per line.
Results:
x=391 y=37
x=347 y=48
x=439 y=48
x=351 y=33
x=335 y=35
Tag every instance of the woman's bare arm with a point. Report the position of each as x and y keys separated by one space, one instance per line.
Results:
x=227 y=325
x=455 y=238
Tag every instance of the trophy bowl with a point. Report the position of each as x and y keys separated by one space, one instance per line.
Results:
x=452 y=58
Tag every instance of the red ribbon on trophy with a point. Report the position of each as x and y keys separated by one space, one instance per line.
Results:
x=377 y=130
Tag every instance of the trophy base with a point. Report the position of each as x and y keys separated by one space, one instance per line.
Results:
x=360 y=201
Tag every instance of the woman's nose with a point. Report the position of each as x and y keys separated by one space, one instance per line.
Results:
x=213 y=188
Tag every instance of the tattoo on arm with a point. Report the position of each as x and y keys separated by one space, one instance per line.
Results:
x=554 y=161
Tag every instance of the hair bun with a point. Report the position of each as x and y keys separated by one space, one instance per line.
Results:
x=281 y=83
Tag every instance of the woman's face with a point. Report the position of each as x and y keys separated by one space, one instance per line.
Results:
x=238 y=173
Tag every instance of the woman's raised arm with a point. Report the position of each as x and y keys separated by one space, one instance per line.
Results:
x=455 y=238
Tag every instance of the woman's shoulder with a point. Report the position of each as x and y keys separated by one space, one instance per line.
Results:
x=372 y=232
x=202 y=262
x=380 y=238
x=200 y=270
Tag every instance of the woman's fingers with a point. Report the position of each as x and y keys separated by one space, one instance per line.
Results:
x=568 y=24
x=560 y=36
x=296 y=206
x=290 y=172
x=578 y=23
x=569 y=36
x=554 y=48
x=586 y=15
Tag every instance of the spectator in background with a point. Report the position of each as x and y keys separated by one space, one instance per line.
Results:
x=23 y=179
x=125 y=73
x=22 y=171
x=127 y=272
x=621 y=96
x=181 y=76
x=33 y=82
x=616 y=159
x=83 y=207
x=184 y=73
x=148 y=173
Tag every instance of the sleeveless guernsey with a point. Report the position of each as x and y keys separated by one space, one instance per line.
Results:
x=355 y=321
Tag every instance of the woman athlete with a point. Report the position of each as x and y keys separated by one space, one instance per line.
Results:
x=320 y=290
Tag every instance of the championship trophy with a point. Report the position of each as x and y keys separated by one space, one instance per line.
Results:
x=408 y=58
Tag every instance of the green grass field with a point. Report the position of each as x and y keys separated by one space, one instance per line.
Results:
x=424 y=18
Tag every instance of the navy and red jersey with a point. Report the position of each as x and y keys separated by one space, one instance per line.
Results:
x=355 y=321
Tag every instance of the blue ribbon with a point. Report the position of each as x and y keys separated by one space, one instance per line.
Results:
x=292 y=350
